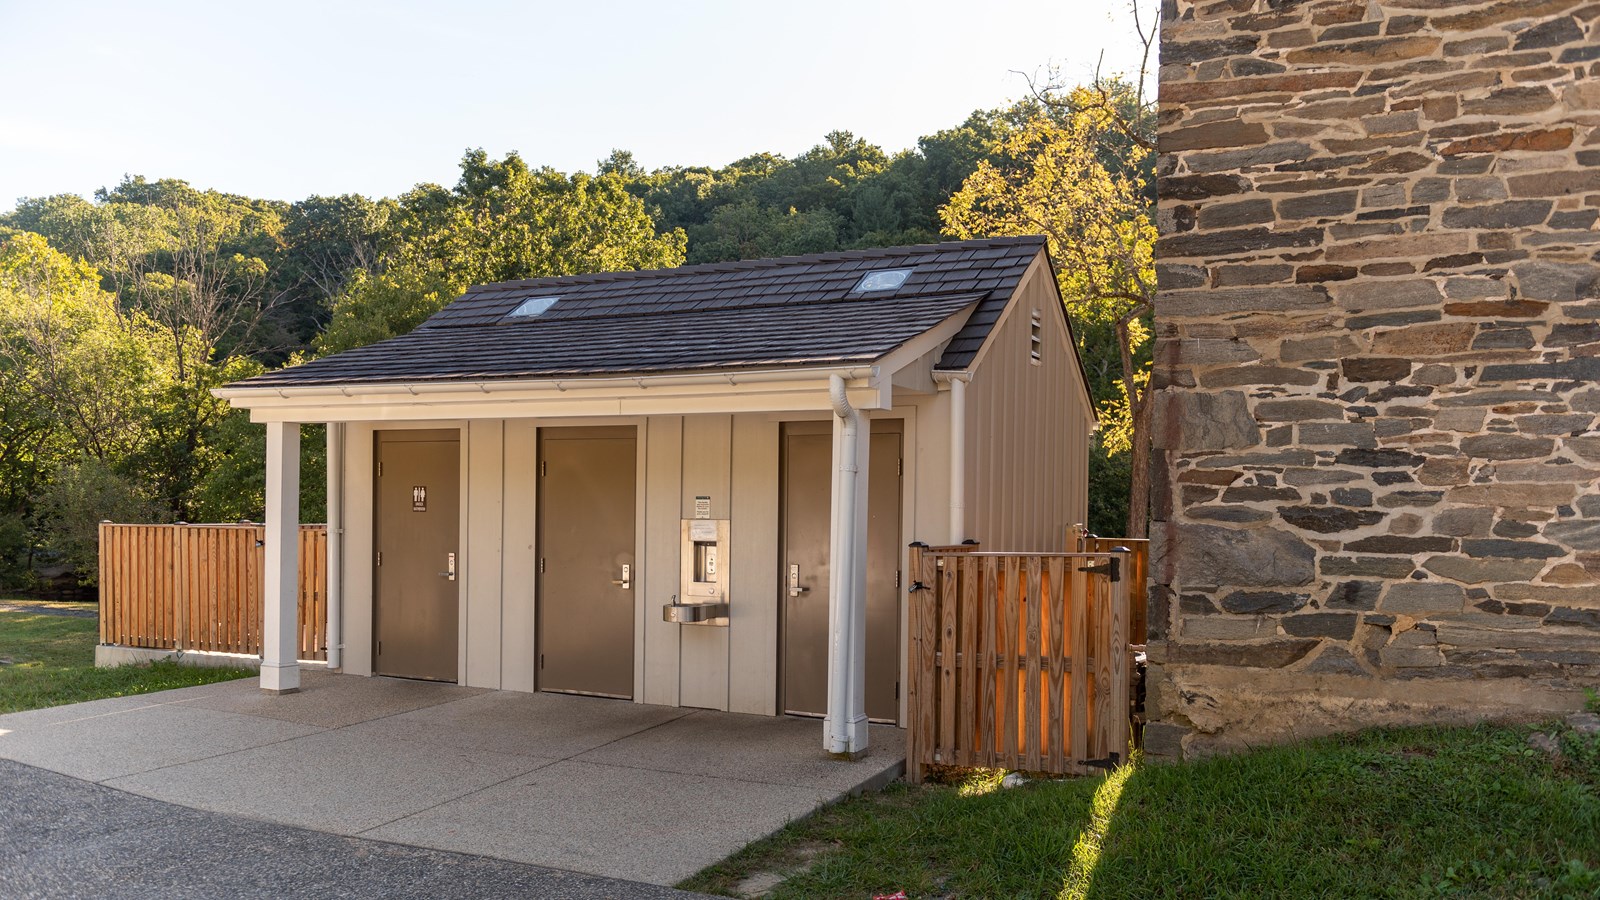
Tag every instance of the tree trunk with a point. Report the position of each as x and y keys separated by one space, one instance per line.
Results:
x=1139 y=414
x=1139 y=483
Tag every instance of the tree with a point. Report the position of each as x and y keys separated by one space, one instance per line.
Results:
x=190 y=259
x=83 y=494
x=76 y=367
x=326 y=242
x=82 y=385
x=1075 y=178
x=503 y=221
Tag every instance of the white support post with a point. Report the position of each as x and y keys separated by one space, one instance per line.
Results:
x=845 y=730
x=335 y=546
x=280 y=669
x=857 y=667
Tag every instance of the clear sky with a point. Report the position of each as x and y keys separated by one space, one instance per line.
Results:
x=286 y=98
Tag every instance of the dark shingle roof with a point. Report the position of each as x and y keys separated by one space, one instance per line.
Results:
x=858 y=331
x=788 y=311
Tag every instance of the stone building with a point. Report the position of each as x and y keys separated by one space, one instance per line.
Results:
x=1377 y=466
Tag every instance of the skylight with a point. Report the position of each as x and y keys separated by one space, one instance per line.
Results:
x=882 y=280
x=533 y=306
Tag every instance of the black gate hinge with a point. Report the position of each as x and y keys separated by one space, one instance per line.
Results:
x=1109 y=763
x=1108 y=568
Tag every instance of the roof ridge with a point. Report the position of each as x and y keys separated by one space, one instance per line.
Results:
x=974 y=296
x=771 y=262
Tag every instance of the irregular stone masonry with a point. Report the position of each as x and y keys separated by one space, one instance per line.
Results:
x=1377 y=469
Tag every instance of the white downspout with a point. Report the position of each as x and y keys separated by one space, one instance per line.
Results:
x=841 y=593
x=958 y=456
x=335 y=546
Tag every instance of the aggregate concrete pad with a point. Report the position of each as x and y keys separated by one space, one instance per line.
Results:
x=339 y=781
x=553 y=726
x=753 y=748
x=141 y=739
x=334 y=701
x=65 y=838
x=637 y=824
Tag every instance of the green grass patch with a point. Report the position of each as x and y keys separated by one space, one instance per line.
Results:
x=1423 y=812
x=52 y=662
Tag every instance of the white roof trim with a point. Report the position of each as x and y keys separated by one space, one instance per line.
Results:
x=726 y=391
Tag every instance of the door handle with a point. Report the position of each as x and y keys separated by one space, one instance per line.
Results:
x=626 y=582
x=795 y=589
x=450 y=561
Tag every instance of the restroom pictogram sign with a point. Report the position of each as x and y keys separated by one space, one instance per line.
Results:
x=419 y=498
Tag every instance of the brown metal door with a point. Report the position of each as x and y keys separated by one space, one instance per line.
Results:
x=806 y=499
x=417 y=528
x=586 y=560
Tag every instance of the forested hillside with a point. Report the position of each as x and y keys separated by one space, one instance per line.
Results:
x=119 y=313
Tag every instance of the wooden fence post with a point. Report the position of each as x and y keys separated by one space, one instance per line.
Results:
x=1121 y=669
x=100 y=585
x=914 y=665
x=180 y=583
x=923 y=575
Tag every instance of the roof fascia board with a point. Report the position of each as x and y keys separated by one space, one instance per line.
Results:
x=1064 y=327
x=576 y=386
x=644 y=403
x=1012 y=302
x=928 y=341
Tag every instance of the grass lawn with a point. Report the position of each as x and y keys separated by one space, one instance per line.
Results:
x=1428 y=812
x=52 y=662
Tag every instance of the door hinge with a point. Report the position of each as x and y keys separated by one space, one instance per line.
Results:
x=897 y=690
x=380 y=557
x=380 y=468
x=897 y=579
x=541 y=565
x=380 y=648
x=900 y=467
x=541 y=660
x=544 y=468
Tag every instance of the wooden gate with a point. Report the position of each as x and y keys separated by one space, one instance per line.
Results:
x=1138 y=574
x=1018 y=660
x=200 y=587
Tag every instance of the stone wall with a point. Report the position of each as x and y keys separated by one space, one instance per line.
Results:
x=1377 y=348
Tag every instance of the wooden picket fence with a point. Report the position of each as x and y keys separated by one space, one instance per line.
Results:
x=200 y=587
x=1018 y=660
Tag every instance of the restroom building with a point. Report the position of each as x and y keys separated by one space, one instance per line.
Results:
x=687 y=487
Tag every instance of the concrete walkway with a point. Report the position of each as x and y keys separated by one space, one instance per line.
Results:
x=603 y=787
x=65 y=838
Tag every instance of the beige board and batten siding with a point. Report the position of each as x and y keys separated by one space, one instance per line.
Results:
x=733 y=459
x=1028 y=427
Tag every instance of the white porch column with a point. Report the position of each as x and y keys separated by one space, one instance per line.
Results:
x=845 y=725
x=335 y=521
x=280 y=670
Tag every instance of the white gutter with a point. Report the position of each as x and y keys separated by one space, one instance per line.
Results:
x=843 y=669
x=958 y=451
x=335 y=545
x=574 y=383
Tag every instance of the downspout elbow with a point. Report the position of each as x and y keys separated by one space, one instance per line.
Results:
x=841 y=402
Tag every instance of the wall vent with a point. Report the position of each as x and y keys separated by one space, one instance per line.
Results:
x=1036 y=340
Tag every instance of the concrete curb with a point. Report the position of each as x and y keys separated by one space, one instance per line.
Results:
x=107 y=656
